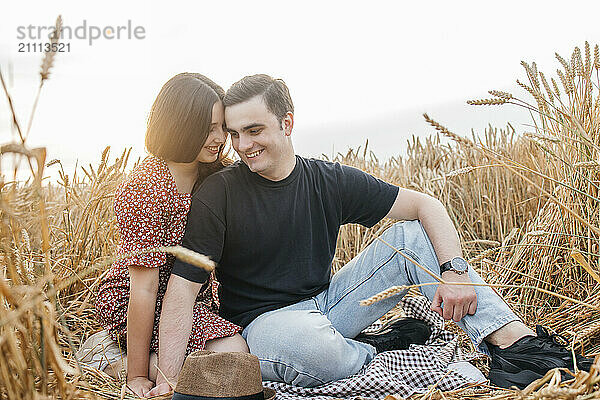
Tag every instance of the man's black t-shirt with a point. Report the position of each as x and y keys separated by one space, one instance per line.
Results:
x=274 y=241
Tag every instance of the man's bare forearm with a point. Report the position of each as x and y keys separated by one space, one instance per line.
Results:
x=410 y=205
x=175 y=326
x=440 y=229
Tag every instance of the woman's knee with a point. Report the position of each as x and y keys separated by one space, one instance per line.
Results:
x=235 y=343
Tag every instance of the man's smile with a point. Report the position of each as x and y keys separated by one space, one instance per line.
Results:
x=254 y=153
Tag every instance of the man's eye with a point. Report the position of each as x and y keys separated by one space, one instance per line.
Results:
x=233 y=134
x=254 y=131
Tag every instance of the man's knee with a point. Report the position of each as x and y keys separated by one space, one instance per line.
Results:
x=411 y=235
x=397 y=232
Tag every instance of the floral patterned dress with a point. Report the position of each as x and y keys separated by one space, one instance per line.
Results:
x=150 y=213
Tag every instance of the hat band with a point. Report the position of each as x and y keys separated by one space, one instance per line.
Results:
x=180 y=396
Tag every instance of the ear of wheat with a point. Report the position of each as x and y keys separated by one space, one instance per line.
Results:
x=48 y=60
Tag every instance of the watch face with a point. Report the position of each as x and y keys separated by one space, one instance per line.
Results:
x=459 y=264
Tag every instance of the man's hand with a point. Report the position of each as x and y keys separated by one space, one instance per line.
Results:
x=459 y=300
x=139 y=385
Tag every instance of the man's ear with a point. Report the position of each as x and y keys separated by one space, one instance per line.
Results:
x=287 y=123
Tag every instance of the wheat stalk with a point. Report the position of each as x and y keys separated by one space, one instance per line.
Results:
x=394 y=290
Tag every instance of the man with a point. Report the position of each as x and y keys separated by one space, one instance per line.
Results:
x=271 y=222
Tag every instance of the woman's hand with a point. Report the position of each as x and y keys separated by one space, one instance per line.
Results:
x=140 y=385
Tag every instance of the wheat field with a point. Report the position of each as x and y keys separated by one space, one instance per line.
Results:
x=527 y=208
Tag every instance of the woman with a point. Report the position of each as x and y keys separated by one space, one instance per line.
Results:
x=185 y=139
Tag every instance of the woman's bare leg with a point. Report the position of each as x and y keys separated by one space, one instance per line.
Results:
x=118 y=368
x=231 y=343
x=152 y=363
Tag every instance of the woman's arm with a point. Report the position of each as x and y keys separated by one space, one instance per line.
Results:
x=140 y=322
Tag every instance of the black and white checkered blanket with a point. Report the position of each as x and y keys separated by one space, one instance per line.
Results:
x=400 y=372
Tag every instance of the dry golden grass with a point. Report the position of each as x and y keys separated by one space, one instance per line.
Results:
x=527 y=209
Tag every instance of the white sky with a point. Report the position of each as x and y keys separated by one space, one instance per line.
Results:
x=356 y=70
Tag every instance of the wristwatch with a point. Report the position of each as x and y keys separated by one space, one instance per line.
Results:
x=457 y=265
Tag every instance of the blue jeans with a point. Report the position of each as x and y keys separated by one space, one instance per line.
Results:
x=310 y=343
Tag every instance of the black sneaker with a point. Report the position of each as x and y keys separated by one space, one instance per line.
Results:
x=398 y=335
x=529 y=358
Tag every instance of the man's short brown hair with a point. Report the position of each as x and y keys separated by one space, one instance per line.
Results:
x=180 y=118
x=274 y=92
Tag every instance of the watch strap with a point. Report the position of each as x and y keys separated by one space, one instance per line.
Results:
x=447 y=266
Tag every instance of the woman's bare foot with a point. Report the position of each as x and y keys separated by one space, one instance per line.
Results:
x=117 y=369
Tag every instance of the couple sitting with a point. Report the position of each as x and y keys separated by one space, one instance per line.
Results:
x=271 y=223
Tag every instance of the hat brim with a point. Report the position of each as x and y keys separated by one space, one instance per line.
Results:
x=269 y=393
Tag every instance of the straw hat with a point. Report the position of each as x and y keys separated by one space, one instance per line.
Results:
x=209 y=375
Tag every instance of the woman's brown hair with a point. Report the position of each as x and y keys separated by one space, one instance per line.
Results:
x=180 y=118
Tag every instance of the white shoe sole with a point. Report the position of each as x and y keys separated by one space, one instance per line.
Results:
x=98 y=351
